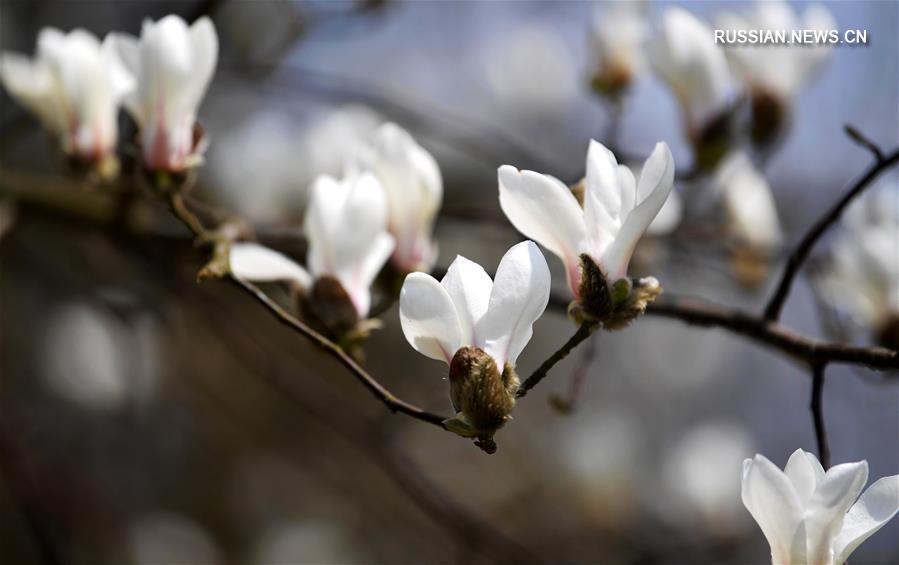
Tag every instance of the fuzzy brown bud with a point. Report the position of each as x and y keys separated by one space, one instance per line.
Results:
x=713 y=140
x=614 y=305
x=482 y=396
x=887 y=332
x=769 y=116
x=328 y=307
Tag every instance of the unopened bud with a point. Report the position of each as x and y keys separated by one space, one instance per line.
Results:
x=769 y=116
x=614 y=305
x=887 y=333
x=612 y=81
x=713 y=140
x=482 y=396
x=329 y=309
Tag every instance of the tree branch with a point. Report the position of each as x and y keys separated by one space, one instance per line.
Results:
x=393 y=403
x=803 y=348
x=804 y=248
x=582 y=333
x=818 y=413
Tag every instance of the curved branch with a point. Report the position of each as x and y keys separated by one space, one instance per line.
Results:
x=809 y=350
x=393 y=403
x=804 y=248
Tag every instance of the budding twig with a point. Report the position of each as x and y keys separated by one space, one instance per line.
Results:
x=582 y=333
x=802 y=250
x=393 y=403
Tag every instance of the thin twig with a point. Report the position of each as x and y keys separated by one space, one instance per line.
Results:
x=802 y=250
x=860 y=138
x=582 y=333
x=567 y=404
x=817 y=409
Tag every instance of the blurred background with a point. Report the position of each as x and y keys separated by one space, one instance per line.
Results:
x=148 y=419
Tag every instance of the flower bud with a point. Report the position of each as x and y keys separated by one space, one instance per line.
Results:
x=887 y=332
x=713 y=140
x=328 y=307
x=613 y=305
x=483 y=398
x=769 y=116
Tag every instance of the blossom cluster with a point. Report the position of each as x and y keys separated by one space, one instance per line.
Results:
x=370 y=232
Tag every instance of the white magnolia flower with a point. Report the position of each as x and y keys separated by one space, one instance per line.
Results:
x=73 y=85
x=618 y=38
x=346 y=228
x=748 y=203
x=466 y=308
x=173 y=64
x=685 y=56
x=810 y=516
x=411 y=178
x=617 y=209
x=863 y=274
x=778 y=70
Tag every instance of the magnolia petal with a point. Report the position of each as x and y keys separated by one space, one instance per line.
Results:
x=31 y=83
x=628 y=185
x=602 y=199
x=411 y=179
x=828 y=505
x=546 y=211
x=519 y=297
x=653 y=188
x=121 y=81
x=469 y=286
x=253 y=262
x=803 y=474
x=128 y=50
x=358 y=284
x=874 y=509
x=428 y=317
x=771 y=499
x=205 y=47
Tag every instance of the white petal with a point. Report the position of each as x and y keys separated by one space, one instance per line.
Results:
x=874 y=509
x=804 y=474
x=346 y=225
x=31 y=83
x=253 y=262
x=204 y=43
x=686 y=56
x=827 y=507
x=121 y=81
x=546 y=211
x=127 y=48
x=653 y=188
x=429 y=318
x=628 y=184
x=519 y=297
x=602 y=199
x=363 y=273
x=771 y=499
x=469 y=286
x=748 y=201
x=414 y=187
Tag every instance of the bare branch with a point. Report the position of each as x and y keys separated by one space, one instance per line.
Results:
x=803 y=348
x=802 y=250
